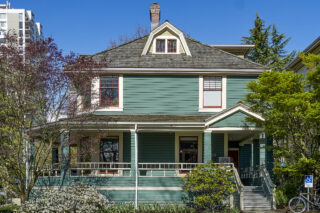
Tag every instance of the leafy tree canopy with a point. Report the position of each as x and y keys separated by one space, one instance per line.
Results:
x=290 y=104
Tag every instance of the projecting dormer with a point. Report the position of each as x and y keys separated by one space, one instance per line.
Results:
x=166 y=39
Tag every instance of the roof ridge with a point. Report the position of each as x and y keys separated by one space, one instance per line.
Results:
x=128 y=42
x=244 y=59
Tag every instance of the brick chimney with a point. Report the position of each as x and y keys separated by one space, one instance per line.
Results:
x=154 y=15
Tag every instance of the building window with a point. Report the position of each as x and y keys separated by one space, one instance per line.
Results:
x=2 y=16
x=20 y=17
x=188 y=149
x=160 y=46
x=109 y=149
x=3 y=24
x=172 y=46
x=20 y=33
x=20 y=25
x=212 y=91
x=109 y=91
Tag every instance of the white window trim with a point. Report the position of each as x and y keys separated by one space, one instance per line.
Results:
x=224 y=96
x=95 y=96
x=165 y=38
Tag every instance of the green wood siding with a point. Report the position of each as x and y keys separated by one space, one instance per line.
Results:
x=237 y=88
x=126 y=147
x=237 y=119
x=245 y=156
x=269 y=155
x=145 y=94
x=256 y=152
x=156 y=147
x=217 y=145
x=207 y=154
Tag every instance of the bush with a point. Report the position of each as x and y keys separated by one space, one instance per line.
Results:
x=149 y=208
x=281 y=199
x=209 y=186
x=76 y=198
x=9 y=208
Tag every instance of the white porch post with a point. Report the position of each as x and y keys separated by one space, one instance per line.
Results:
x=134 y=160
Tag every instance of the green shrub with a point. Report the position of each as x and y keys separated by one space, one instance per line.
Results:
x=209 y=187
x=149 y=208
x=9 y=208
x=281 y=198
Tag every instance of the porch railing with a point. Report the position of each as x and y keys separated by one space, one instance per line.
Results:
x=50 y=170
x=165 y=169
x=267 y=185
x=100 y=169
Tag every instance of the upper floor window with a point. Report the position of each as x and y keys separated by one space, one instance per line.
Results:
x=172 y=46
x=160 y=48
x=3 y=16
x=212 y=91
x=166 y=45
x=109 y=91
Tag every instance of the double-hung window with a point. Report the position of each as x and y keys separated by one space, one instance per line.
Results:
x=109 y=91
x=212 y=91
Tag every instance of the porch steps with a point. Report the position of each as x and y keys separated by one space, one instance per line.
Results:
x=255 y=199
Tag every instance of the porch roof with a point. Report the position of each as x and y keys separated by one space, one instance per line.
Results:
x=137 y=118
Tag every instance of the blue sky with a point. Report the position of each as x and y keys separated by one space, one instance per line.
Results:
x=86 y=26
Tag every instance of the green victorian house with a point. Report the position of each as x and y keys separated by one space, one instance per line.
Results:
x=164 y=104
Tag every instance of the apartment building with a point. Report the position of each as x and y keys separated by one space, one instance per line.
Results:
x=19 y=21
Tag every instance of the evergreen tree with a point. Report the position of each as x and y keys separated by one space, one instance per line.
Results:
x=269 y=48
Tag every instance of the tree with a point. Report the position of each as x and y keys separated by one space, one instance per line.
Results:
x=34 y=93
x=269 y=49
x=290 y=105
x=139 y=32
x=209 y=186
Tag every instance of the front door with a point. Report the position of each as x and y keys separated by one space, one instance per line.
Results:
x=234 y=154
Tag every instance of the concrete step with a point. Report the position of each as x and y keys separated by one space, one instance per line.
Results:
x=255 y=199
x=253 y=188
x=256 y=208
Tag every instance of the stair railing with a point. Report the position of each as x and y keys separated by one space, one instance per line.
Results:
x=239 y=187
x=267 y=184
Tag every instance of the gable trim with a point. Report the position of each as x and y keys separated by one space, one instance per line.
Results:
x=238 y=108
x=159 y=29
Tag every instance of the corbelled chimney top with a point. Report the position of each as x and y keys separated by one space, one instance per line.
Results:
x=154 y=15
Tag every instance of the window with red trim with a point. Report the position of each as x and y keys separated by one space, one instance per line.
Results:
x=212 y=91
x=160 y=45
x=172 y=46
x=109 y=91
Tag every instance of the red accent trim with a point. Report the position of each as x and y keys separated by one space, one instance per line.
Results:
x=169 y=47
x=100 y=102
x=164 y=46
x=213 y=90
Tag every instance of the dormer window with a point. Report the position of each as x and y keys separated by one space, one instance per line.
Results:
x=161 y=44
x=172 y=46
x=166 y=45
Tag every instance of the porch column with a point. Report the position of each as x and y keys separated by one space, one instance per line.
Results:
x=134 y=161
x=225 y=144
x=65 y=152
x=207 y=146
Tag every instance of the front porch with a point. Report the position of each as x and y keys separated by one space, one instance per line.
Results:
x=142 y=158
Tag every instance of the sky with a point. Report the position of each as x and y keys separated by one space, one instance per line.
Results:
x=87 y=26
